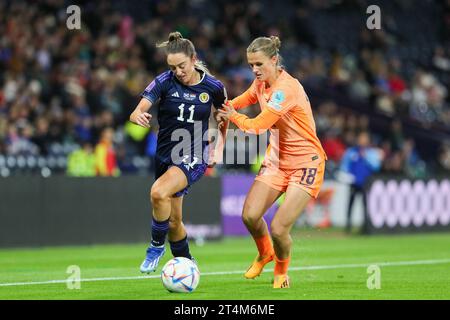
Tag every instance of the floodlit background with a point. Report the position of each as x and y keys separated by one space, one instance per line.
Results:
x=63 y=89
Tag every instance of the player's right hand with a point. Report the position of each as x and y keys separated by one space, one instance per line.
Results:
x=144 y=119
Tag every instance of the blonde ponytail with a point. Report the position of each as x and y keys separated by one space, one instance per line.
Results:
x=270 y=46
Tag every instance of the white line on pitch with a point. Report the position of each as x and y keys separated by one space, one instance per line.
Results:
x=326 y=267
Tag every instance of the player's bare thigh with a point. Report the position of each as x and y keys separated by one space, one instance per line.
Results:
x=295 y=202
x=259 y=199
x=172 y=181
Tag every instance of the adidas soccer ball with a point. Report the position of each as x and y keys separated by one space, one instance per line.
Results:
x=180 y=275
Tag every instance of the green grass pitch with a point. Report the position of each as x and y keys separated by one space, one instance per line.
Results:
x=325 y=265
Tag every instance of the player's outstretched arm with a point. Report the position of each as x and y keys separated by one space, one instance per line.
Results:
x=258 y=125
x=246 y=99
x=140 y=115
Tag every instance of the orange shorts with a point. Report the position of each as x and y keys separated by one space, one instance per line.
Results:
x=309 y=177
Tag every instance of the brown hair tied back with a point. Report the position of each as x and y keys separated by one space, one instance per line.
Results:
x=177 y=44
x=174 y=36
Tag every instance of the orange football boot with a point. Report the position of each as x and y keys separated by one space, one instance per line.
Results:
x=258 y=265
x=281 y=281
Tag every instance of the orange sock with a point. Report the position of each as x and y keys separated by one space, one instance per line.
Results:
x=264 y=245
x=281 y=266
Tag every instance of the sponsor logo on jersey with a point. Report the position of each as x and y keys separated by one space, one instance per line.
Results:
x=150 y=86
x=189 y=96
x=276 y=100
x=204 y=97
x=175 y=94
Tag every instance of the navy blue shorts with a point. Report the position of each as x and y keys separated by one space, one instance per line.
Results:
x=193 y=171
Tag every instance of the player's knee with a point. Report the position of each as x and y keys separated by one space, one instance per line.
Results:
x=279 y=232
x=157 y=194
x=248 y=215
x=248 y=219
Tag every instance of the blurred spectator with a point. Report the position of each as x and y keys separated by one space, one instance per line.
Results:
x=323 y=116
x=60 y=86
x=105 y=155
x=441 y=60
x=394 y=163
x=18 y=140
x=333 y=146
x=359 y=88
x=414 y=166
x=339 y=76
x=444 y=158
x=41 y=136
x=81 y=162
x=396 y=137
x=427 y=98
x=360 y=162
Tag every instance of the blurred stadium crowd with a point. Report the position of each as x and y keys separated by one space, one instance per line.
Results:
x=65 y=95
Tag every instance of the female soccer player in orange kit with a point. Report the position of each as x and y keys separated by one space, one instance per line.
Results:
x=294 y=162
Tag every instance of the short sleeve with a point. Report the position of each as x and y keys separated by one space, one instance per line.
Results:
x=219 y=96
x=156 y=89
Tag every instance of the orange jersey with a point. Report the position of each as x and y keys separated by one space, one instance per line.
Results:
x=286 y=112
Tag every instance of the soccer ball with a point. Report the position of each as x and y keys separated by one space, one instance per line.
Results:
x=180 y=275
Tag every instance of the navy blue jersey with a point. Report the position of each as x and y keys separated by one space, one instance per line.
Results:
x=183 y=115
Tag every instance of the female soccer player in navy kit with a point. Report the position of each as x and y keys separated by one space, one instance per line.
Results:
x=185 y=94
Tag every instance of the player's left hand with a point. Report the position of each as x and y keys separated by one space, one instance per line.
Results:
x=220 y=122
x=212 y=158
x=212 y=164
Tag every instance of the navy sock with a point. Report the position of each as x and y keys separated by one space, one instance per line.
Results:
x=159 y=232
x=180 y=248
